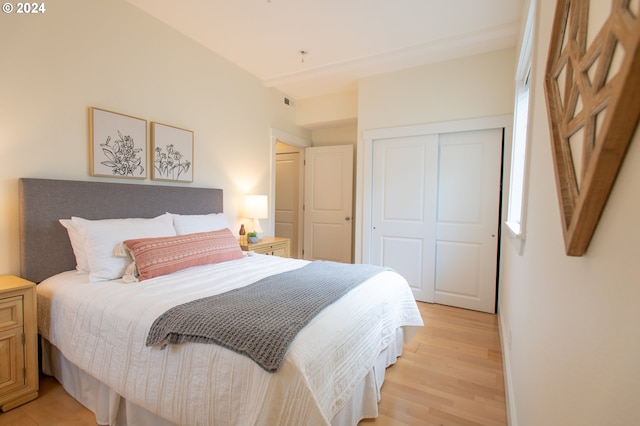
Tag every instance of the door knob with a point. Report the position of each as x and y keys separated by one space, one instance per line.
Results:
x=347 y=218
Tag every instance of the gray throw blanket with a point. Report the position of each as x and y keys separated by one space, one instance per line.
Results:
x=262 y=319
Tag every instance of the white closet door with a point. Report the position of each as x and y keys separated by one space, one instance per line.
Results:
x=435 y=210
x=404 y=210
x=467 y=219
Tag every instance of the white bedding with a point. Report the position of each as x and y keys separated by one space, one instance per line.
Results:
x=101 y=327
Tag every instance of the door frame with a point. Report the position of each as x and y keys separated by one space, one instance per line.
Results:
x=364 y=192
x=298 y=142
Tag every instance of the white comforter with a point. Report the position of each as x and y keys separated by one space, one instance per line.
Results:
x=102 y=327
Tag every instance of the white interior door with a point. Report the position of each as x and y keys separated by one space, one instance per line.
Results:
x=403 y=216
x=288 y=207
x=435 y=209
x=328 y=203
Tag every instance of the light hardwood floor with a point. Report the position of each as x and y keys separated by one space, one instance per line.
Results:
x=449 y=374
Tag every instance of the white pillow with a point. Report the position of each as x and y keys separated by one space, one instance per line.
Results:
x=101 y=237
x=77 y=244
x=193 y=223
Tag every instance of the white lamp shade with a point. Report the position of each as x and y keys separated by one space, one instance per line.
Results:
x=256 y=207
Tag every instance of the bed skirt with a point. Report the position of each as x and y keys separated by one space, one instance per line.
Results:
x=113 y=410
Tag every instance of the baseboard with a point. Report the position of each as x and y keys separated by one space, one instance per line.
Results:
x=506 y=368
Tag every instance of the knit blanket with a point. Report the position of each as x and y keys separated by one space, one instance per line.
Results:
x=262 y=319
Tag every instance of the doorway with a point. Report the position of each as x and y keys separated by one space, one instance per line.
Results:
x=324 y=230
x=288 y=195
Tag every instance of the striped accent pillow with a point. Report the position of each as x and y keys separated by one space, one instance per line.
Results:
x=161 y=256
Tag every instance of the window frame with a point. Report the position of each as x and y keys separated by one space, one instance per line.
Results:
x=516 y=213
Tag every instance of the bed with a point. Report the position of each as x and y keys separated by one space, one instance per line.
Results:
x=94 y=331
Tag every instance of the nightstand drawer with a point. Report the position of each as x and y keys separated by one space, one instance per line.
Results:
x=279 y=250
x=273 y=250
x=11 y=312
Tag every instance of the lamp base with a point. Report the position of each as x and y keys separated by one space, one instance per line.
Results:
x=258 y=229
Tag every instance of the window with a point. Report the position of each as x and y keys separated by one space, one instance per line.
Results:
x=517 y=183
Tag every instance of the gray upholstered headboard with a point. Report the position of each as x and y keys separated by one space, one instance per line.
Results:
x=44 y=245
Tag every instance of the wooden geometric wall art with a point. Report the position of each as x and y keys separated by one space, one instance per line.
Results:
x=592 y=87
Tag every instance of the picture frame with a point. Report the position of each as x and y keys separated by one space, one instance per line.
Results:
x=171 y=153
x=117 y=145
x=592 y=87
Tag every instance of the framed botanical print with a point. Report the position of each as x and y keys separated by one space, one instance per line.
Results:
x=171 y=153
x=117 y=145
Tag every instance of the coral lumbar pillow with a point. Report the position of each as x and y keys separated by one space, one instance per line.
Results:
x=161 y=256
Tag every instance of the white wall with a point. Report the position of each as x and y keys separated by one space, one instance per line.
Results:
x=344 y=135
x=332 y=118
x=471 y=87
x=336 y=109
x=574 y=357
x=109 y=54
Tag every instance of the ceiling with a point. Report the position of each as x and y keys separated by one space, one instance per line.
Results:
x=344 y=40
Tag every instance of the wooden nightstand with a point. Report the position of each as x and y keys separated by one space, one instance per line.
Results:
x=275 y=246
x=18 y=342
